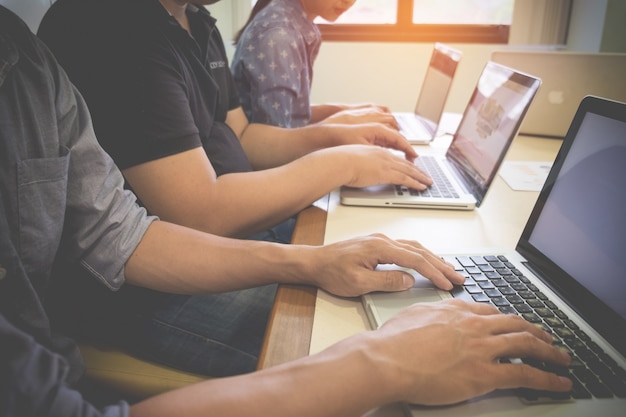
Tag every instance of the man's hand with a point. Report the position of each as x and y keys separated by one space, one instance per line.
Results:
x=449 y=351
x=348 y=268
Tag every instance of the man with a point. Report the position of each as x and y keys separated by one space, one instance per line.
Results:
x=62 y=201
x=156 y=79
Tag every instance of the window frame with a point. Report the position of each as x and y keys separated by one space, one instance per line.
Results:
x=406 y=31
x=535 y=22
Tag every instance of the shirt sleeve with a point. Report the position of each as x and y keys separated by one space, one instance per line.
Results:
x=104 y=223
x=274 y=65
x=32 y=381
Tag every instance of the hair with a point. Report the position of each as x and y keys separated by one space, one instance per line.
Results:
x=258 y=6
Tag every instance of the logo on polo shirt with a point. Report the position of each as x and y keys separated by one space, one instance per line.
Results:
x=217 y=64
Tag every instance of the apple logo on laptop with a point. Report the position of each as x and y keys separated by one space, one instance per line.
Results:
x=556 y=97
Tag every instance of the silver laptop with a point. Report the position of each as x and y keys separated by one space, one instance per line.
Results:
x=421 y=126
x=489 y=124
x=566 y=78
x=567 y=274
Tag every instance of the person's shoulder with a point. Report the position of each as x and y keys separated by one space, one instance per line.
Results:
x=273 y=30
x=281 y=21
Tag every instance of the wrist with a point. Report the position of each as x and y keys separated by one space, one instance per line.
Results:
x=393 y=383
x=367 y=364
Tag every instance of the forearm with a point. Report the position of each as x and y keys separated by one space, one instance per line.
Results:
x=341 y=381
x=320 y=112
x=269 y=146
x=175 y=259
x=271 y=195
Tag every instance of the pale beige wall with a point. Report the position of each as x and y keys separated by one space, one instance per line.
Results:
x=389 y=73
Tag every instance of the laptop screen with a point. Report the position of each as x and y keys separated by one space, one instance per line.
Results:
x=577 y=231
x=437 y=83
x=491 y=121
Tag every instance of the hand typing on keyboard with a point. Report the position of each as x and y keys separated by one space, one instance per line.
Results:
x=494 y=280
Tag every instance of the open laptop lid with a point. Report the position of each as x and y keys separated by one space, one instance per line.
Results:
x=575 y=238
x=567 y=77
x=437 y=83
x=490 y=123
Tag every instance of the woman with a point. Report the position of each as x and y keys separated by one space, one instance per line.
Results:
x=273 y=66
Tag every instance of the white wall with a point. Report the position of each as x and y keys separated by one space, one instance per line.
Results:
x=389 y=73
x=588 y=18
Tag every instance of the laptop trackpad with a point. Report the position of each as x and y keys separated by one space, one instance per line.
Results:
x=384 y=305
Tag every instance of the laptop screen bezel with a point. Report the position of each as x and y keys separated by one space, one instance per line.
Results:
x=602 y=318
x=476 y=186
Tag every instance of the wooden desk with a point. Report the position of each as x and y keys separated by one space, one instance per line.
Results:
x=288 y=334
x=301 y=318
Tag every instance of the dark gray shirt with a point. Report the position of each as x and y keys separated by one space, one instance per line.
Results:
x=62 y=202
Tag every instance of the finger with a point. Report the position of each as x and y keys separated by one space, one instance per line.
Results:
x=527 y=345
x=392 y=139
x=391 y=121
x=526 y=376
x=409 y=168
x=409 y=175
x=391 y=280
x=482 y=309
x=445 y=267
x=439 y=277
x=411 y=254
x=511 y=323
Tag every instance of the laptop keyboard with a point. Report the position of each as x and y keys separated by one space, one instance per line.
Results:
x=441 y=187
x=411 y=126
x=493 y=279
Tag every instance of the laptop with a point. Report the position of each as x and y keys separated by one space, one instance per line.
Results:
x=566 y=274
x=489 y=124
x=566 y=78
x=420 y=127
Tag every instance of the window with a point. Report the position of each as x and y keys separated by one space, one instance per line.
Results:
x=479 y=21
x=460 y=21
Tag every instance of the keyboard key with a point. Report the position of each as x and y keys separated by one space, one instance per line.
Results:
x=531 y=317
x=465 y=261
x=485 y=285
x=499 y=301
x=479 y=260
x=579 y=391
x=507 y=310
x=599 y=390
x=481 y=298
x=474 y=289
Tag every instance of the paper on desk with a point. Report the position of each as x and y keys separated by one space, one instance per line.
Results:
x=525 y=175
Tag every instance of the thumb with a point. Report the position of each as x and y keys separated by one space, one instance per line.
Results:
x=395 y=280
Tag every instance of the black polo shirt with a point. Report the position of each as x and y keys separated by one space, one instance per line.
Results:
x=153 y=90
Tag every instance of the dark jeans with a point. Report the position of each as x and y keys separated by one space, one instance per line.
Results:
x=216 y=334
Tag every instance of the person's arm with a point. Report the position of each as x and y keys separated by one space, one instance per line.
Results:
x=33 y=380
x=184 y=188
x=353 y=114
x=430 y=354
x=270 y=146
x=175 y=259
